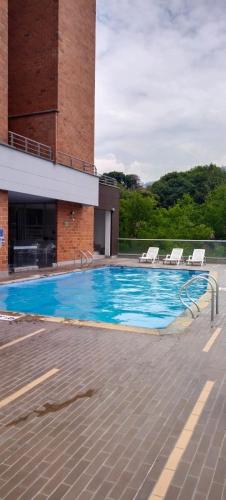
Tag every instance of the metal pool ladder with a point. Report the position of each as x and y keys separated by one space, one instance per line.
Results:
x=212 y=282
x=85 y=256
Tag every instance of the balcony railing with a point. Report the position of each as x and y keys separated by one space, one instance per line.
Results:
x=27 y=145
x=35 y=148
x=84 y=166
x=76 y=163
x=107 y=180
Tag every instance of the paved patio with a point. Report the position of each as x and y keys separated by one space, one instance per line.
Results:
x=90 y=413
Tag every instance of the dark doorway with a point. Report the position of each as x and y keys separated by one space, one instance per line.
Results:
x=32 y=234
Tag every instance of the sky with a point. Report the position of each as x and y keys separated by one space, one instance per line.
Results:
x=160 y=85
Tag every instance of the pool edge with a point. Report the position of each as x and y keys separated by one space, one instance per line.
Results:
x=178 y=326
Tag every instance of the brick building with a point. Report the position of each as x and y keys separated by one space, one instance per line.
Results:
x=50 y=193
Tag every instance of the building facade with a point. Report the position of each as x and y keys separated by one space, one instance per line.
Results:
x=49 y=187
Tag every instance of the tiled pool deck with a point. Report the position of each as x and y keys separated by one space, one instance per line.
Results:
x=129 y=416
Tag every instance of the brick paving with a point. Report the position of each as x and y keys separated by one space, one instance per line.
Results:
x=115 y=443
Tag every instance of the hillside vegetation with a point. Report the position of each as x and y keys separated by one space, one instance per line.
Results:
x=189 y=205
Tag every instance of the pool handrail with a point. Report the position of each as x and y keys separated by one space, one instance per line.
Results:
x=83 y=254
x=200 y=277
x=187 y=306
x=86 y=254
x=210 y=276
x=89 y=254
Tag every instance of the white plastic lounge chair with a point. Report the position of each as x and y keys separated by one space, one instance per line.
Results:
x=175 y=256
x=197 y=258
x=150 y=256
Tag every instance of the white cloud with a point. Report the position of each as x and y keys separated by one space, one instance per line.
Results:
x=110 y=163
x=160 y=85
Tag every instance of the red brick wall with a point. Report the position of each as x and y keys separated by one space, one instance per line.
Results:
x=74 y=232
x=76 y=77
x=76 y=116
x=33 y=65
x=52 y=66
x=41 y=128
x=4 y=70
x=4 y=225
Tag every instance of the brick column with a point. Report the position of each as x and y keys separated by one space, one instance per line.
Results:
x=4 y=71
x=74 y=231
x=4 y=226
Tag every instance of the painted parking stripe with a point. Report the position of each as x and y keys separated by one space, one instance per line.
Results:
x=28 y=387
x=20 y=339
x=212 y=339
x=172 y=463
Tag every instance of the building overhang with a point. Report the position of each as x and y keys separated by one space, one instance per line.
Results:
x=24 y=173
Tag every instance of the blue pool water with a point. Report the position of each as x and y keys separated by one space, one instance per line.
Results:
x=124 y=295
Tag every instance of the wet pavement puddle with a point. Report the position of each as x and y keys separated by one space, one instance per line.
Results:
x=52 y=407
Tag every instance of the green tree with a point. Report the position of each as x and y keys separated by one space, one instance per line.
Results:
x=185 y=220
x=118 y=176
x=214 y=211
x=181 y=205
x=141 y=218
x=129 y=181
x=132 y=181
x=198 y=182
x=136 y=211
x=170 y=188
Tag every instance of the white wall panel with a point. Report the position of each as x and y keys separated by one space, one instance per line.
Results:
x=24 y=173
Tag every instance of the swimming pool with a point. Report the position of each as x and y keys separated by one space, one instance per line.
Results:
x=131 y=296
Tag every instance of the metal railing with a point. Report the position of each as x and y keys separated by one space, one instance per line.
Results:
x=43 y=151
x=86 y=257
x=30 y=146
x=211 y=281
x=215 y=250
x=76 y=163
x=107 y=180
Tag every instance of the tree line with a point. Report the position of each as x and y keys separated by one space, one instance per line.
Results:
x=184 y=205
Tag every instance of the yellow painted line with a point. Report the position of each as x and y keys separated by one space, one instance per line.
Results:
x=20 y=339
x=166 y=476
x=28 y=387
x=212 y=340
